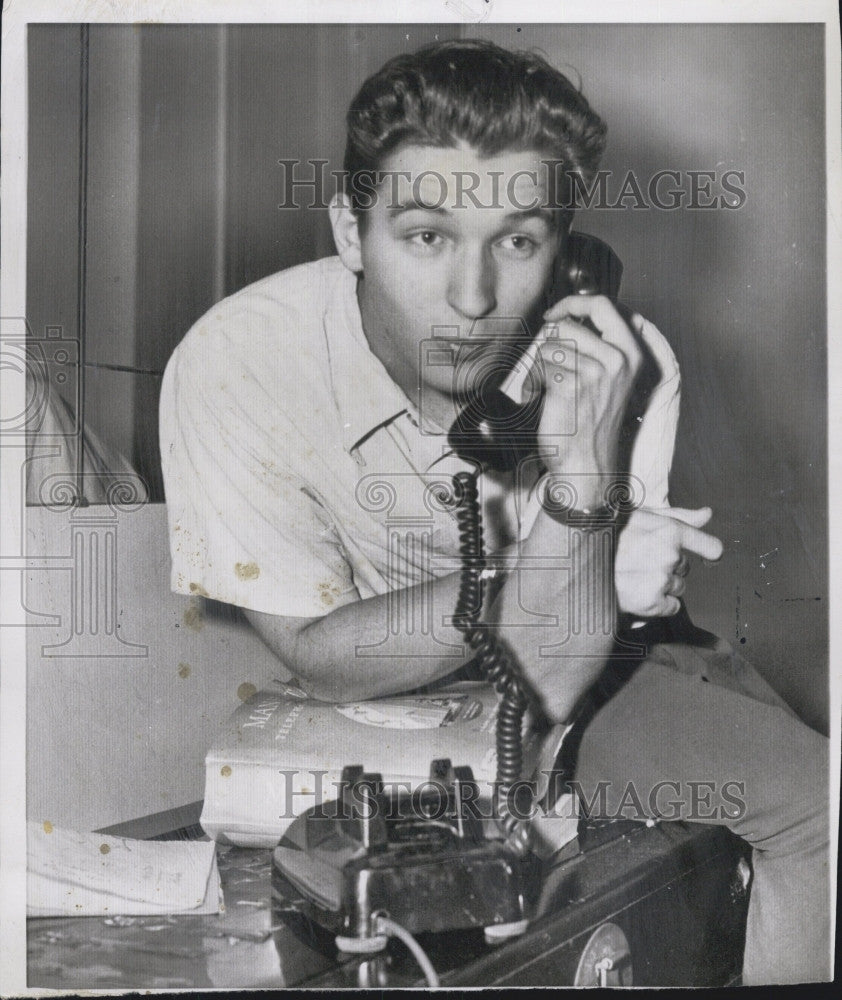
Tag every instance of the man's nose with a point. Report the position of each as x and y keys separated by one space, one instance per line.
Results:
x=471 y=289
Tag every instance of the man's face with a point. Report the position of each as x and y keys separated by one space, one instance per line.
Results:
x=461 y=247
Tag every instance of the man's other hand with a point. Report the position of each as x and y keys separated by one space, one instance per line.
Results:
x=651 y=561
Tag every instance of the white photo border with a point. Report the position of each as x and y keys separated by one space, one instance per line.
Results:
x=18 y=14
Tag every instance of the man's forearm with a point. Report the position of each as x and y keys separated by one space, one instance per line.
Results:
x=557 y=611
x=545 y=612
x=382 y=645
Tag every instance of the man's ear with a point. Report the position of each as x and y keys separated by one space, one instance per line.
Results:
x=346 y=232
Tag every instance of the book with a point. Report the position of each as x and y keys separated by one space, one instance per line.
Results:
x=283 y=752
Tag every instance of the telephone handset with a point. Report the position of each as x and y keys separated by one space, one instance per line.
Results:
x=493 y=429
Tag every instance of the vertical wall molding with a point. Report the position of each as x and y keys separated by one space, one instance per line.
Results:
x=113 y=207
x=82 y=253
x=219 y=289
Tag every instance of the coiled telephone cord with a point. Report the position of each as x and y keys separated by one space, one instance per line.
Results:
x=494 y=661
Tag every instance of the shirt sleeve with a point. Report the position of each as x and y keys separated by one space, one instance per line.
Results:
x=654 y=445
x=244 y=526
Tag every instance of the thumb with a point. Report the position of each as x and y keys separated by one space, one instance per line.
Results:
x=672 y=607
x=695 y=518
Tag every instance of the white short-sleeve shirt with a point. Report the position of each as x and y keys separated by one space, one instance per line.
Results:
x=299 y=477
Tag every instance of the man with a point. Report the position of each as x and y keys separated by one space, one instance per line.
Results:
x=304 y=426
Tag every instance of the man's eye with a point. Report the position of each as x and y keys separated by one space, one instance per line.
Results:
x=520 y=244
x=426 y=238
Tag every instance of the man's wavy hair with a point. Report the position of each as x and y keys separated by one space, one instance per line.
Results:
x=477 y=92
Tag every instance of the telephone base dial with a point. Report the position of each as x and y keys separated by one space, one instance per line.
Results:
x=429 y=861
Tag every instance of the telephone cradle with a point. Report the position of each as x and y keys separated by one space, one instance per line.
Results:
x=430 y=861
x=627 y=904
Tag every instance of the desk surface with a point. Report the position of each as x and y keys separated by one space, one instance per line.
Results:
x=239 y=948
x=671 y=887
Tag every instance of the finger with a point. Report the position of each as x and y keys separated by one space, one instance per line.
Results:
x=704 y=545
x=695 y=518
x=562 y=383
x=587 y=363
x=671 y=606
x=602 y=312
x=675 y=587
x=586 y=345
x=682 y=567
x=527 y=378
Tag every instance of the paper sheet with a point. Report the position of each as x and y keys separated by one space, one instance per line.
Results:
x=90 y=874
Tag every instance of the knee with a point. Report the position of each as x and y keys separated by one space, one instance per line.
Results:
x=787 y=809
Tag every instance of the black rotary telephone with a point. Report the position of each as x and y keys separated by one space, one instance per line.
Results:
x=427 y=866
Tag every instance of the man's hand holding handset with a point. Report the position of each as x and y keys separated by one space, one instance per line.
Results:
x=651 y=558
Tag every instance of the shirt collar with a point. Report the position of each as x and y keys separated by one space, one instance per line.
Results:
x=365 y=394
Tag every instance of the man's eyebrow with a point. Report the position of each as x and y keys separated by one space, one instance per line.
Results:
x=412 y=205
x=535 y=212
x=539 y=212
